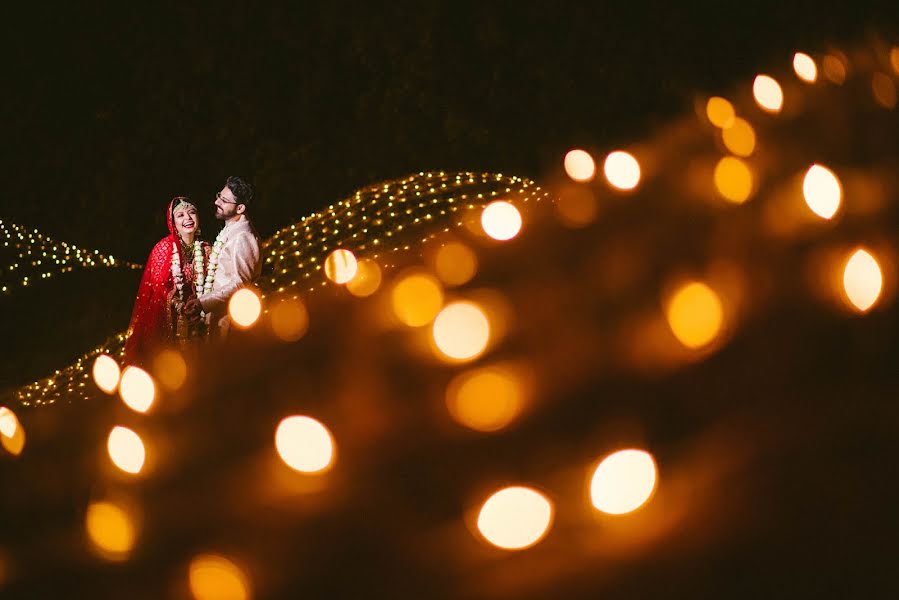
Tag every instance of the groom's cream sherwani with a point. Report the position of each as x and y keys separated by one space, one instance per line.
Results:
x=238 y=265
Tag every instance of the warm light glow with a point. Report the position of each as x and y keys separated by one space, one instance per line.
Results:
x=244 y=307
x=126 y=449
x=12 y=434
x=455 y=263
x=304 y=444
x=417 y=299
x=461 y=330
x=805 y=67
x=695 y=315
x=486 y=399
x=214 y=577
x=579 y=165
x=834 y=69
x=515 y=518
x=8 y=422
x=720 y=112
x=576 y=206
x=822 y=191
x=340 y=266
x=733 y=179
x=862 y=280
x=111 y=530
x=739 y=138
x=894 y=58
x=884 y=90
x=106 y=373
x=623 y=482
x=289 y=319
x=170 y=369
x=622 y=170
x=501 y=220
x=367 y=279
x=767 y=94
x=137 y=389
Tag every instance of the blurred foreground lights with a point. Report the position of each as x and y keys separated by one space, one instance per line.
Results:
x=340 y=266
x=367 y=279
x=622 y=170
x=695 y=315
x=515 y=518
x=126 y=450
x=733 y=179
x=213 y=577
x=106 y=373
x=416 y=299
x=720 y=112
x=862 y=280
x=461 y=331
x=304 y=444
x=289 y=320
x=244 y=308
x=579 y=165
x=739 y=138
x=137 y=389
x=623 y=482
x=486 y=399
x=110 y=529
x=884 y=90
x=804 y=67
x=170 y=369
x=767 y=94
x=822 y=191
x=576 y=206
x=894 y=58
x=12 y=434
x=8 y=422
x=834 y=69
x=455 y=263
x=501 y=220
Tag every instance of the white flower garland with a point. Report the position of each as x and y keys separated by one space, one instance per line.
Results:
x=206 y=287
x=203 y=282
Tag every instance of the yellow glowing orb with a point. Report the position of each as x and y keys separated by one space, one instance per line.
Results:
x=884 y=90
x=834 y=69
x=822 y=191
x=695 y=315
x=137 y=389
x=289 y=319
x=106 y=373
x=894 y=58
x=579 y=165
x=111 y=530
x=622 y=170
x=367 y=279
x=623 y=482
x=213 y=577
x=805 y=67
x=304 y=444
x=461 y=331
x=126 y=449
x=244 y=308
x=862 y=280
x=739 y=138
x=733 y=179
x=12 y=434
x=340 y=266
x=170 y=369
x=486 y=399
x=501 y=220
x=515 y=518
x=767 y=94
x=455 y=263
x=417 y=299
x=720 y=112
x=8 y=422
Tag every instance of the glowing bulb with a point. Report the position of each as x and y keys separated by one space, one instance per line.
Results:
x=515 y=518
x=622 y=170
x=862 y=280
x=417 y=299
x=455 y=263
x=733 y=179
x=340 y=266
x=110 y=529
x=213 y=577
x=486 y=399
x=170 y=369
x=720 y=112
x=12 y=434
x=367 y=279
x=244 y=308
x=695 y=315
x=623 y=482
x=739 y=138
x=579 y=165
x=822 y=191
x=137 y=389
x=768 y=94
x=8 y=422
x=304 y=444
x=461 y=331
x=805 y=67
x=106 y=373
x=501 y=220
x=126 y=449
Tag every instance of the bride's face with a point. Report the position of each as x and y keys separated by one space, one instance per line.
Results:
x=186 y=220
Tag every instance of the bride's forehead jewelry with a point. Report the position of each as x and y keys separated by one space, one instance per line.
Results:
x=182 y=204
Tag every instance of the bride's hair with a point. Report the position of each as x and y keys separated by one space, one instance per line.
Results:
x=243 y=191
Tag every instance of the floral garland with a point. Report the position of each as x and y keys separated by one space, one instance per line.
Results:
x=203 y=280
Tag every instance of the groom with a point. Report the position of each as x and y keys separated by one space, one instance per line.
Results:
x=238 y=257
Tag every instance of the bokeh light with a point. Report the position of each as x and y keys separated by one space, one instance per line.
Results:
x=455 y=263
x=515 y=518
x=884 y=90
x=12 y=434
x=622 y=170
x=213 y=577
x=720 y=112
x=304 y=444
x=111 y=530
x=340 y=266
x=289 y=319
x=461 y=331
x=822 y=191
x=894 y=58
x=695 y=314
x=733 y=179
x=137 y=389
x=580 y=166
x=623 y=481
x=576 y=206
x=834 y=69
x=106 y=373
x=487 y=398
x=367 y=279
x=805 y=68
x=8 y=422
x=126 y=449
x=416 y=299
x=862 y=280
x=501 y=220
x=739 y=138
x=170 y=369
x=244 y=307
x=767 y=94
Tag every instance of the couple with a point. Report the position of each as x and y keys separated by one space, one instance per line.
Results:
x=186 y=285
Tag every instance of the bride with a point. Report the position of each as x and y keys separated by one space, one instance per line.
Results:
x=175 y=272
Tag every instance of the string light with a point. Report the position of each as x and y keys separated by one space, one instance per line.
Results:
x=623 y=481
x=515 y=518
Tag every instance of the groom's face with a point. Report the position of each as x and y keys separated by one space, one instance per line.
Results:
x=225 y=204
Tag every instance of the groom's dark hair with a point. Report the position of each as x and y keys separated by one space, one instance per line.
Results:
x=243 y=191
